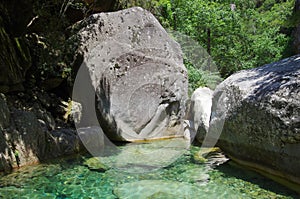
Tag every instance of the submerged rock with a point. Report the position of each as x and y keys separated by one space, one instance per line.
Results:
x=169 y=189
x=138 y=75
x=260 y=109
x=15 y=60
x=94 y=164
x=196 y=175
x=210 y=156
x=146 y=157
x=151 y=188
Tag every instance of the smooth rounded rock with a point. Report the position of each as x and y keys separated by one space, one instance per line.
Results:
x=136 y=71
x=260 y=109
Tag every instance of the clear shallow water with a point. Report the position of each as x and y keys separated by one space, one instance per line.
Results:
x=70 y=178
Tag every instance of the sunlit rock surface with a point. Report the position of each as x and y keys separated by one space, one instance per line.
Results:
x=199 y=112
x=138 y=75
x=260 y=109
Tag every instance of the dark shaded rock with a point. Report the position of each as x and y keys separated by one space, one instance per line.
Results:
x=138 y=73
x=16 y=15
x=296 y=31
x=28 y=138
x=63 y=142
x=26 y=126
x=296 y=37
x=260 y=109
x=4 y=123
x=4 y=112
x=15 y=60
x=24 y=135
x=101 y=5
x=5 y=160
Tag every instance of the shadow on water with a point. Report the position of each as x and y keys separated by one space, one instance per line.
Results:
x=232 y=169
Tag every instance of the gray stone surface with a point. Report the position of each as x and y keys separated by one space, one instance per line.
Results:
x=138 y=73
x=199 y=112
x=4 y=112
x=28 y=128
x=260 y=109
x=62 y=142
x=27 y=137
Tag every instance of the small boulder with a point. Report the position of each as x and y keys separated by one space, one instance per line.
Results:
x=94 y=164
x=62 y=142
x=199 y=112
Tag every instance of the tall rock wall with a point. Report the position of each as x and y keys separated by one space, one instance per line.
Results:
x=28 y=132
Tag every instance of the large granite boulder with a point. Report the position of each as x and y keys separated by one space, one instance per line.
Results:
x=137 y=73
x=260 y=110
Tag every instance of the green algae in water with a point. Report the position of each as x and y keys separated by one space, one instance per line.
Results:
x=70 y=178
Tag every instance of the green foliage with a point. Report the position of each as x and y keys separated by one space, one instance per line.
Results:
x=202 y=71
x=196 y=79
x=48 y=34
x=248 y=36
x=201 y=78
x=252 y=34
x=150 y=5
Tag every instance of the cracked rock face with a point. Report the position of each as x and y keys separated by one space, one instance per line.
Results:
x=136 y=72
x=260 y=109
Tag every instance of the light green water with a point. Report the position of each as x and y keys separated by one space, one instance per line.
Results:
x=70 y=178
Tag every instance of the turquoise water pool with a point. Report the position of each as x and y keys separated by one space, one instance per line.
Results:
x=185 y=178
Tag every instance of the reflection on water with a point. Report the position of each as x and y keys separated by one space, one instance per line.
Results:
x=70 y=178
